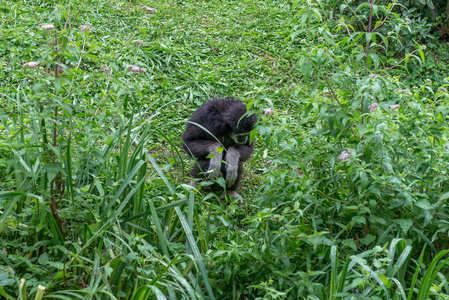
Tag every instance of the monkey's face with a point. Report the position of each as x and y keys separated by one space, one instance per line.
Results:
x=240 y=138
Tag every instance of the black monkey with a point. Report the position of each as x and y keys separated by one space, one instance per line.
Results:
x=227 y=127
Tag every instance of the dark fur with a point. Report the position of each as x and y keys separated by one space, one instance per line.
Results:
x=221 y=117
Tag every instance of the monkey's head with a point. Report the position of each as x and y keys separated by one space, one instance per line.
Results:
x=244 y=125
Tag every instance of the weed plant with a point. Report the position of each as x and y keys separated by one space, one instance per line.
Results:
x=345 y=195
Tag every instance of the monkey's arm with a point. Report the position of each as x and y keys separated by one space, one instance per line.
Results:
x=205 y=148
x=215 y=161
x=244 y=150
x=197 y=142
x=200 y=148
x=235 y=154
x=232 y=165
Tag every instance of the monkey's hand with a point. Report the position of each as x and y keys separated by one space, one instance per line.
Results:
x=214 y=161
x=232 y=166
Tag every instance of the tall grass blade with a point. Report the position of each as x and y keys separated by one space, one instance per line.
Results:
x=160 y=173
x=123 y=186
x=196 y=252
x=144 y=292
x=430 y=275
x=23 y=290
x=334 y=270
x=415 y=276
x=68 y=165
x=159 y=231
x=342 y=279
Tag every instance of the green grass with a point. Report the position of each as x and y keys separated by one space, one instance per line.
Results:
x=95 y=201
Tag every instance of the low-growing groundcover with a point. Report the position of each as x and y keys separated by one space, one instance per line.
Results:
x=345 y=195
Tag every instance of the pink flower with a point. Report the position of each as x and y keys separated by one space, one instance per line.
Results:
x=269 y=162
x=269 y=111
x=303 y=41
x=429 y=80
x=138 y=42
x=136 y=68
x=149 y=9
x=350 y=150
x=395 y=107
x=372 y=76
x=343 y=156
x=442 y=89
x=31 y=64
x=48 y=26
x=80 y=243
x=373 y=107
x=84 y=28
x=408 y=20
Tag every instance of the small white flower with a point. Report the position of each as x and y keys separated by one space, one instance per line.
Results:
x=269 y=111
x=303 y=41
x=138 y=42
x=428 y=80
x=31 y=64
x=47 y=27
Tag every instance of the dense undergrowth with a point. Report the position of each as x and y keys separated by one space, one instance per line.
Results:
x=345 y=195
